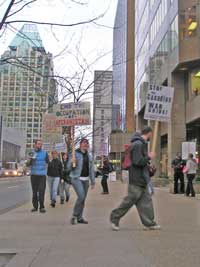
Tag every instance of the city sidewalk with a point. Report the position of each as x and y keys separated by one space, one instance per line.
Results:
x=48 y=240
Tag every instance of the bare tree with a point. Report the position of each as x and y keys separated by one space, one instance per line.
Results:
x=15 y=7
x=75 y=87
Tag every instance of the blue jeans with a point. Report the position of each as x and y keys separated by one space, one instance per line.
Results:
x=53 y=187
x=81 y=189
x=64 y=190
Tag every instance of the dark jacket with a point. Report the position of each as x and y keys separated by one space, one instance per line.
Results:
x=55 y=168
x=139 y=172
x=106 y=169
x=76 y=172
x=178 y=165
x=66 y=173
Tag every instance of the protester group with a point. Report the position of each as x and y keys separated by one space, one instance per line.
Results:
x=61 y=174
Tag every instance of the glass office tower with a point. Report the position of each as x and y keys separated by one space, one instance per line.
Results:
x=27 y=87
x=168 y=53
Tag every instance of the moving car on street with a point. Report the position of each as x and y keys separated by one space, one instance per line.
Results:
x=11 y=169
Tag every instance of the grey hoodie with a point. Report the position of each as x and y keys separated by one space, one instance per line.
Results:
x=139 y=172
x=191 y=166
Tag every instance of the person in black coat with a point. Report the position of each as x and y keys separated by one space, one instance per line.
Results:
x=105 y=170
x=54 y=173
x=177 y=165
x=65 y=181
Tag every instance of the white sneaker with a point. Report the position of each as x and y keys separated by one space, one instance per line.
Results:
x=151 y=228
x=115 y=226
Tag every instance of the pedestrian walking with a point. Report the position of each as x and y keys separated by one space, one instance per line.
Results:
x=38 y=160
x=177 y=165
x=54 y=175
x=105 y=170
x=80 y=176
x=139 y=180
x=191 y=170
x=65 y=181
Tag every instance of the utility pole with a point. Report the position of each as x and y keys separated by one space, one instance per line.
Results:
x=130 y=68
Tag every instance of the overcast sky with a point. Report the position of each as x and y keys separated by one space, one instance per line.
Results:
x=94 y=40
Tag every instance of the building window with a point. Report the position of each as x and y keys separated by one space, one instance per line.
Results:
x=195 y=83
x=152 y=3
x=174 y=34
x=143 y=51
x=158 y=20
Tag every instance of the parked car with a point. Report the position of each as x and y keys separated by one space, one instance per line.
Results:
x=11 y=169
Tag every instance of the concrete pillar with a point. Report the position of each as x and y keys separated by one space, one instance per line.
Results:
x=177 y=126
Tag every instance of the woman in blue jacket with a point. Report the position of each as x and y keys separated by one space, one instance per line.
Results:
x=81 y=176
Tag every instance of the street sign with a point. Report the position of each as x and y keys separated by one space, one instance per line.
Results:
x=187 y=148
x=159 y=103
x=50 y=132
x=71 y=114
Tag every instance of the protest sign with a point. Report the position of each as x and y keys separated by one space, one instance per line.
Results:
x=60 y=147
x=70 y=114
x=47 y=147
x=50 y=132
x=159 y=103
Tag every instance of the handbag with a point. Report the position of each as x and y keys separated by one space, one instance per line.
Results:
x=184 y=170
x=152 y=170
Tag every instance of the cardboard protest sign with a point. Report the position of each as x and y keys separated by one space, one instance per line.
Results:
x=71 y=114
x=50 y=132
x=159 y=103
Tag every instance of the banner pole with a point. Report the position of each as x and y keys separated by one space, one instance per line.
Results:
x=155 y=136
x=73 y=148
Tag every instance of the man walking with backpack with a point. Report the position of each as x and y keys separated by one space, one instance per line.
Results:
x=138 y=188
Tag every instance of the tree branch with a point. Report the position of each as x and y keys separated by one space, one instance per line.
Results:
x=56 y=24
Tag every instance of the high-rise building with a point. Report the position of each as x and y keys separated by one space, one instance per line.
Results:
x=123 y=115
x=102 y=111
x=27 y=87
x=119 y=66
x=167 y=53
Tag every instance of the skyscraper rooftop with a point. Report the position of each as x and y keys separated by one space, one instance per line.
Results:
x=28 y=34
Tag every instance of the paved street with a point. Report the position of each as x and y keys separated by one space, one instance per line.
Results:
x=13 y=192
x=49 y=240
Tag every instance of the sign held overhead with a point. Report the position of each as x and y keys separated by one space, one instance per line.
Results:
x=71 y=114
x=159 y=103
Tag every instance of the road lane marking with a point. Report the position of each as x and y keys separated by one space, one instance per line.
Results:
x=14 y=186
